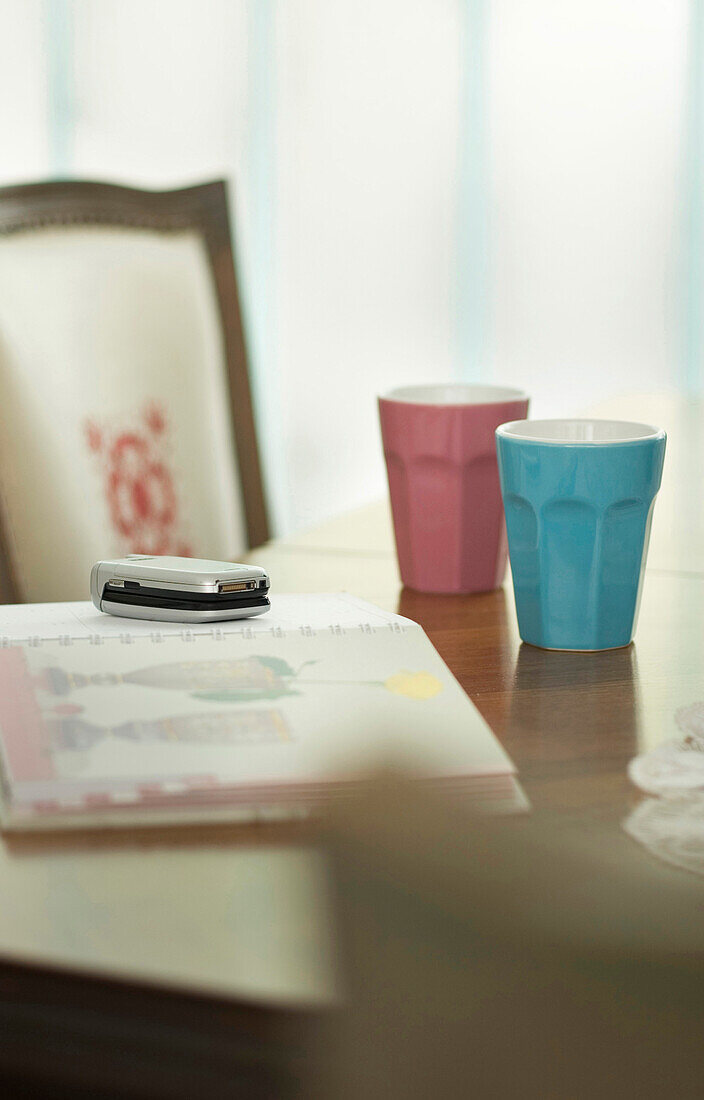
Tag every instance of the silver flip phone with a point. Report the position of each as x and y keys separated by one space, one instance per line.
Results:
x=178 y=590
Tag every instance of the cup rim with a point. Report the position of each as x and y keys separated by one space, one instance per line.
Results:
x=469 y=393
x=576 y=432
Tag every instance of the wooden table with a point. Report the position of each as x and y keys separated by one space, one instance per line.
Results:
x=198 y=927
x=570 y=721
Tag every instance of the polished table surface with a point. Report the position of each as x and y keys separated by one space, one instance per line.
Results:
x=240 y=912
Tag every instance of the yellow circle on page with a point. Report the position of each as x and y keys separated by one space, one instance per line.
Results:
x=414 y=685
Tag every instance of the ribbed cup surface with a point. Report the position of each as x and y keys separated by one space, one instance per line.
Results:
x=578 y=518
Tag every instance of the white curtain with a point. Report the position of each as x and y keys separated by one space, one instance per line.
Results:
x=587 y=118
x=423 y=190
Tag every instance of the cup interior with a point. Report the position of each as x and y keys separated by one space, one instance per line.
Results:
x=579 y=431
x=455 y=394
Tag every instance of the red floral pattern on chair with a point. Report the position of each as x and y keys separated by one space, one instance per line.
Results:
x=138 y=483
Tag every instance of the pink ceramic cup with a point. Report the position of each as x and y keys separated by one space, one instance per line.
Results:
x=440 y=455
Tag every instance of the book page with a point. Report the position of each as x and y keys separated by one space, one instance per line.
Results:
x=25 y=622
x=265 y=715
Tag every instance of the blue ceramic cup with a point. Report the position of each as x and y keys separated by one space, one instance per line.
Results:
x=578 y=497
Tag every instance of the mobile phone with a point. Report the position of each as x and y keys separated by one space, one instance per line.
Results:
x=180 y=590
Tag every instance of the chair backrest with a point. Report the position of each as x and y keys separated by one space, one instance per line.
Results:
x=126 y=421
x=544 y=957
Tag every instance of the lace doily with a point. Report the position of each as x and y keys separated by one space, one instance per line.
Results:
x=671 y=827
x=677 y=765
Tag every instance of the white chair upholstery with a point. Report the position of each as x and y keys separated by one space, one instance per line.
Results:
x=116 y=433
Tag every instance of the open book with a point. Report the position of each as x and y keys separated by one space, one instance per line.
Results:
x=105 y=721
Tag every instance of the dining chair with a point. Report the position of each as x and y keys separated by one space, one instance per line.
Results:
x=126 y=418
x=536 y=956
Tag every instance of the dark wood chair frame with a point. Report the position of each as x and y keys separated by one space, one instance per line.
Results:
x=203 y=209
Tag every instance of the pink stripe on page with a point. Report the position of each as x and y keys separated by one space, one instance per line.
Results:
x=21 y=720
x=154 y=797
x=46 y=807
